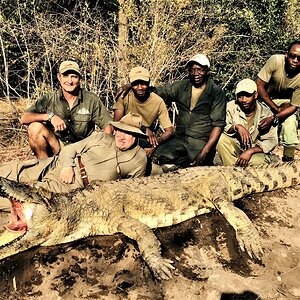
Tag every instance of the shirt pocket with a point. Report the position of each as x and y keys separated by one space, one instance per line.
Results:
x=82 y=118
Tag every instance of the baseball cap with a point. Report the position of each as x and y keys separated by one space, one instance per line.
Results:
x=200 y=59
x=131 y=123
x=69 y=65
x=246 y=85
x=139 y=73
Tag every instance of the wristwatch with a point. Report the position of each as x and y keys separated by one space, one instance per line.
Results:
x=50 y=116
x=275 y=121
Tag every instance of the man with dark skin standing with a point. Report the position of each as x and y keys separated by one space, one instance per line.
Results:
x=65 y=116
x=148 y=104
x=242 y=143
x=201 y=117
x=278 y=85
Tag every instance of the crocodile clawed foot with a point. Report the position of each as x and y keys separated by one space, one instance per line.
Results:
x=161 y=267
x=249 y=241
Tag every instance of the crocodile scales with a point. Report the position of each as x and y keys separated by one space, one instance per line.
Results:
x=134 y=206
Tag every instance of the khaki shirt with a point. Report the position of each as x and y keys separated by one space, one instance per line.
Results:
x=280 y=86
x=153 y=108
x=100 y=158
x=87 y=111
x=234 y=116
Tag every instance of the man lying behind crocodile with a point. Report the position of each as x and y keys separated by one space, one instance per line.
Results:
x=97 y=157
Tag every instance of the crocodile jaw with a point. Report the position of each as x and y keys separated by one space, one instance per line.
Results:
x=19 y=223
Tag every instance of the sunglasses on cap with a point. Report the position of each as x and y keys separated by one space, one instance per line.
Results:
x=293 y=56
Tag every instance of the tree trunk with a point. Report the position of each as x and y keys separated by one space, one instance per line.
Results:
x=122 y=44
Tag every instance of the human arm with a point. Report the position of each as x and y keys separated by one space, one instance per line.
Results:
x=67 y=175
x=211 y=143
x=265 y=81
x=118 y=114
x=243 y=135
x=245 y=157
x=30 y=117
x=262 y=91
x=166 y=135
x=267 y=122
x=101 y=116
x=168 y=92
x=42 y=111
x=68 y=154
x=122 y=92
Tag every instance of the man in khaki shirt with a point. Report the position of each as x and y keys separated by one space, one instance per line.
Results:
x=98 y=157
x=278 y=85
x=243 y=143
x=149 y=105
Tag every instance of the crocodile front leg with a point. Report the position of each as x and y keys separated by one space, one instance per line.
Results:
x=246 y=234
x=148 y=244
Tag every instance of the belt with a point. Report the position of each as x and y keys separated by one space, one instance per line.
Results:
x=83 y=174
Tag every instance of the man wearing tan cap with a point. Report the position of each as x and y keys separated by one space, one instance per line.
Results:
x=200 y=121
x=100 y=156
x=64 y=116
x=243 y=143
x=149 y=105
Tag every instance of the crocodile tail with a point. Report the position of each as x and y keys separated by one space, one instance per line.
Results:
x=266 y=178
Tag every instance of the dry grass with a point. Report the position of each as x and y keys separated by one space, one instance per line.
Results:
x=13 y=138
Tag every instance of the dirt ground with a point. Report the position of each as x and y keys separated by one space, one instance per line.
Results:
x=208 y=263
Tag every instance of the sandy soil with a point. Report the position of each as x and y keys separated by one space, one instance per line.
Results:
x=208 y=263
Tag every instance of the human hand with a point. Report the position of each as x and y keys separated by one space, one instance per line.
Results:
x=151 y=137
x=122 y=91
x=200 y=159
x=67 y=175
x=265 y=124
x=149 y=151
x=245 y=136
x=244 y=158
x=58 y=123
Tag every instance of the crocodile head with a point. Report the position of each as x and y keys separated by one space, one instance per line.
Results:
x=27 y=227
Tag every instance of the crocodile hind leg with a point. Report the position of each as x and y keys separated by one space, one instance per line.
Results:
x=148 y=244
x=246 y=233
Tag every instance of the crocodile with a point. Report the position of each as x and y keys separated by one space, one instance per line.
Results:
x=135 y=206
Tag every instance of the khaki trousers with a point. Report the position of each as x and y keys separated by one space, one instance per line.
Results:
x=229 y=151
x=289 y=128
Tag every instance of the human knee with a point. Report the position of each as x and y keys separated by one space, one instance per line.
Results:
x=162 y=156
x=291 y=122
x=258 y=159
x=36 y=128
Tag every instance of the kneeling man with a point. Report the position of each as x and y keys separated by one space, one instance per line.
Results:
x=243 y=143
